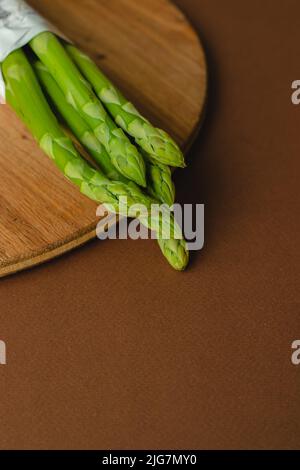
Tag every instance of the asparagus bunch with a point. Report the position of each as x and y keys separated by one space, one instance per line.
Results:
x=78 y=92
x=26 y=97
x=159 y=177
x=76 y=124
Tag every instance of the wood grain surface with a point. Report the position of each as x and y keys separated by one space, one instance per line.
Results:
x=152 y=53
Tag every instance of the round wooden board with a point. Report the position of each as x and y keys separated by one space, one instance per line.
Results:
x=152 y=53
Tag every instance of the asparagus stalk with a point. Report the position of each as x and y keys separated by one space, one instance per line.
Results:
x=77 y=125
x=152 y=140
x=25 y=95
x=160 y=184
x=79 y=94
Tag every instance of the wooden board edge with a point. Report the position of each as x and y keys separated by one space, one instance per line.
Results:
x=202 y=56
x=40 y=258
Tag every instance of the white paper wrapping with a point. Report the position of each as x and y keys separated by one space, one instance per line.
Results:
x=19 y=23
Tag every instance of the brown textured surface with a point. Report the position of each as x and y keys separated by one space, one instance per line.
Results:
x=42 y=216
x=108 y=348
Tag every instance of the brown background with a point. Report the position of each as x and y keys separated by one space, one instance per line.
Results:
x=108 y=348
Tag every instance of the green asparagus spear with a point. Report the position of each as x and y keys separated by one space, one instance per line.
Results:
x=79 y=94
x=25 y=95
x=152 y=140
x=77 y=125
x=160 y=184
